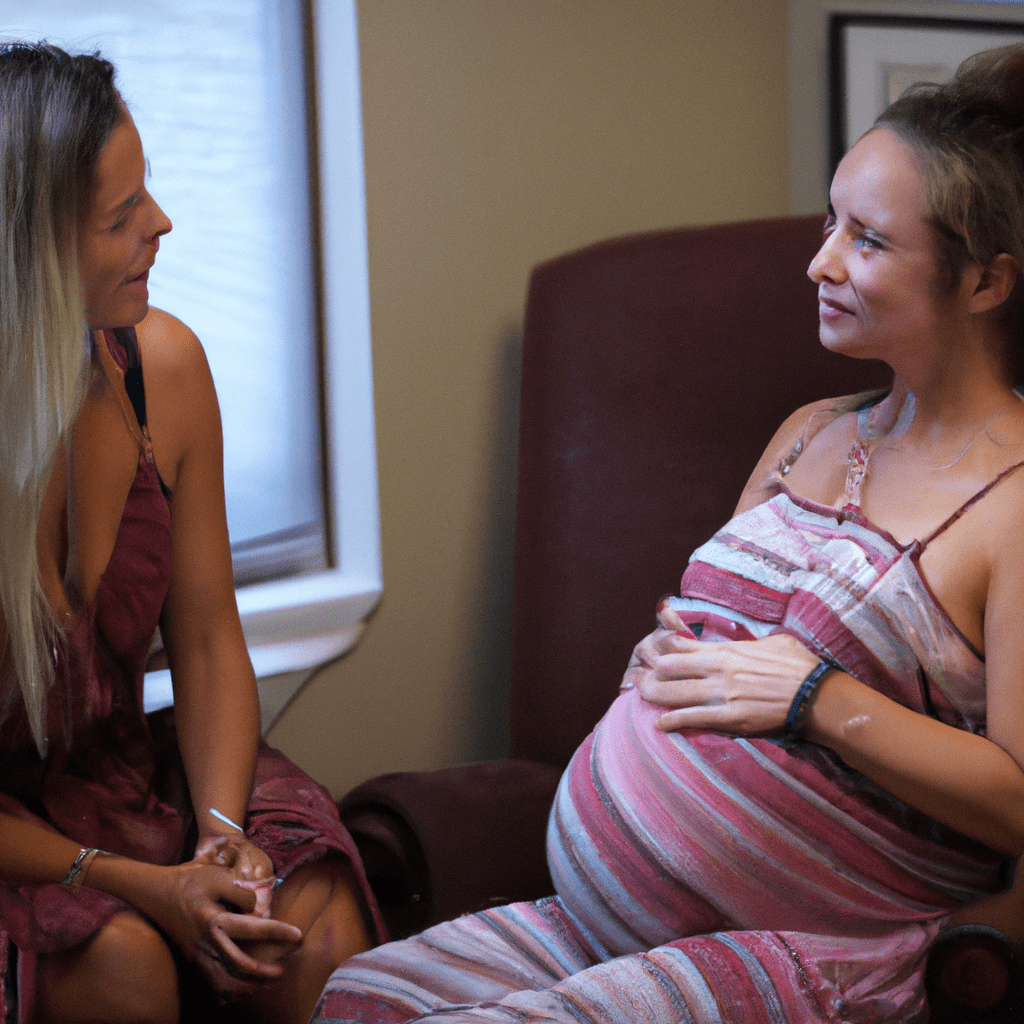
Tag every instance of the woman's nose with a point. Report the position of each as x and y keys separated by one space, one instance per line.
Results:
x=161 y=222
x=827 y=264
x=164 y=224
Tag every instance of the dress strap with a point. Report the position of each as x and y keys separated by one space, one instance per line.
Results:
x=133 y=382
x=969 y=503
x=875 y=423
x=818 y=420
x=125 y=352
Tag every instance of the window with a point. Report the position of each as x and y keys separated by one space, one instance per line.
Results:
x=218 y=91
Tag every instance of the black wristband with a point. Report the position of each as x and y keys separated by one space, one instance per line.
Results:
x=802 y=699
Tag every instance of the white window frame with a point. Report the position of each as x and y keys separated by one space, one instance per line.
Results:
x=299 y=622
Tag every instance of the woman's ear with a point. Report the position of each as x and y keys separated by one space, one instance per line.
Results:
x=995 y=283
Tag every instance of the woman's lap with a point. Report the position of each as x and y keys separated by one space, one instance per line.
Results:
x=291 y=818
x=536 y=961
x=125 y=972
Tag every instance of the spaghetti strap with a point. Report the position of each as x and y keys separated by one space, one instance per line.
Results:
x=133 y=382
x=123 y=345
x=969 y=503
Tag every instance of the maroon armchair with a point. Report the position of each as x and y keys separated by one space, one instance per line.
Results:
x=655 y=370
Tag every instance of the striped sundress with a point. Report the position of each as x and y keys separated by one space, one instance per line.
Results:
x=721 y=880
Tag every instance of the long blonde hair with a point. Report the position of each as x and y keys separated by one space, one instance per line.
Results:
x=56 y=113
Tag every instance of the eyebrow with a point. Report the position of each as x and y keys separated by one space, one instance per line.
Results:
x=862 y=225
x=134 y=199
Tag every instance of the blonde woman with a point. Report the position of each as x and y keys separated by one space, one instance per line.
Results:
x=146 y=865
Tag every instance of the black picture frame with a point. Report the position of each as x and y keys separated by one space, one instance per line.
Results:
x=856 y=41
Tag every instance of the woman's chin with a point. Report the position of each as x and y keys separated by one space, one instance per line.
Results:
x=845 y=345
x=124 y=317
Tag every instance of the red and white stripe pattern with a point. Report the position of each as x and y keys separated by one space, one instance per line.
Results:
x=706 y=878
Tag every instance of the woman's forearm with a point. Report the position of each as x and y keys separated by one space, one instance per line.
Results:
x=218 y=721
x=30 y=853
x=963 y=780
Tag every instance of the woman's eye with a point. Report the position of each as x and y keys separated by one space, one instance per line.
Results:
x=867 y=242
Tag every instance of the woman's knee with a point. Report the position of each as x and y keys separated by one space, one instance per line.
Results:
x=325 y=900
x=125 y=972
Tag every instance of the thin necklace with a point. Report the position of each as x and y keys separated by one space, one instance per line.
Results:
x=970 y=444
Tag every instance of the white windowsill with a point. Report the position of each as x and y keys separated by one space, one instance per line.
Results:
x=299 y=623
x=290 y=626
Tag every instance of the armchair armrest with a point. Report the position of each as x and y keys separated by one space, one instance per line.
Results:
x=975 y=975
x=449 y=842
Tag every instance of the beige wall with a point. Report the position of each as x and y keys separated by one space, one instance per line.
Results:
x=499 y=133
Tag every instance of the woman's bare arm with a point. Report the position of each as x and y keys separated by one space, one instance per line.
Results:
x=964 y=780
x=974 y=783
x=30 y=853
x=198 y=906
x=216 y=705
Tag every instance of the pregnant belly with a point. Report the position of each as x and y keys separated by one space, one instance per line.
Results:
x=654 y=836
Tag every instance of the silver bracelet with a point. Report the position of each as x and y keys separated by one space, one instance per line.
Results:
x=77 y=872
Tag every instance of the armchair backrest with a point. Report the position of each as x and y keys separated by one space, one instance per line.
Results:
x=655 y=370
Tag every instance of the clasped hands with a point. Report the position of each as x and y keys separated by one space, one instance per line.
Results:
x=742 y=688
x=221 y=904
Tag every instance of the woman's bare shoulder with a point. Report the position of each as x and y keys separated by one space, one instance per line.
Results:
x=795 y=424
x=181 y=401
x=790 y=440
x=810 y=418
x=1001 y=513
x=168 y=345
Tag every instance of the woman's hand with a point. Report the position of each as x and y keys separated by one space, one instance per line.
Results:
x=233 y=850
x=744 y=687
x=665 y=639
x=209 y=913
x=251 y=866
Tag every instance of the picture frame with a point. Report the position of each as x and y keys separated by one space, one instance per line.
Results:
x=874 y=58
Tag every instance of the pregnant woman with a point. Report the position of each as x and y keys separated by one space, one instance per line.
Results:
x=818 y=759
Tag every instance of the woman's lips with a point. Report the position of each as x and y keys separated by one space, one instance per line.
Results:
x=830 y=308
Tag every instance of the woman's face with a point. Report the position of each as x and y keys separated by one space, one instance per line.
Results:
x=879 y=293
x=120 y=234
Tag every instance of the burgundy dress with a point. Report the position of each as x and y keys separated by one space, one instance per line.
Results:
x=112 y=777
